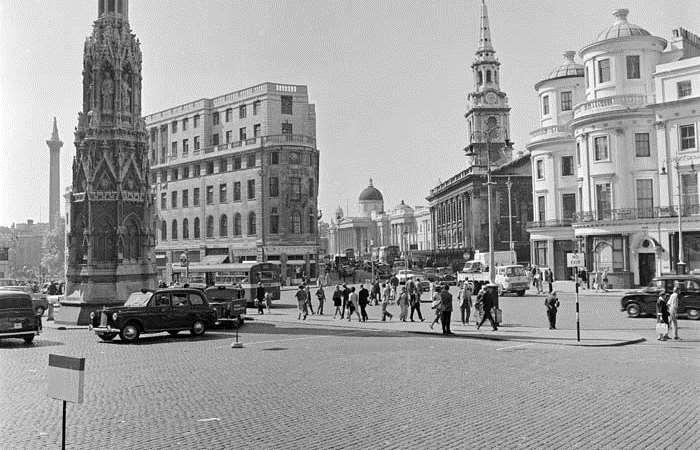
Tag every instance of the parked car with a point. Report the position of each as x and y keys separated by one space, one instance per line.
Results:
x=39 y=301
x=643 y=301
x=424 y=285
x=229 y=303
x=169 y=309
x=447 y=279
x=404 y=274
x=17 y=316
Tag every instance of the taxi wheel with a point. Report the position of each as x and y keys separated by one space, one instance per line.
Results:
x=28 y=339
x=198 y=328
x=693 y=314
x=107 y=336
x=130 y=332
x=633 y=310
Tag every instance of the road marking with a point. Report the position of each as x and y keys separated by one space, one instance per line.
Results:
x=514 y=346
x=211 y=419
x=298 y=339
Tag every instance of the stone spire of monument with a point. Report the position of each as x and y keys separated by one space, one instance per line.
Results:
x=55 y=145
x=110 y=236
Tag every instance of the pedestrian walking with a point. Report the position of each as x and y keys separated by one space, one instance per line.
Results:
x=414 y=298
x=376 y=293
x=402 y=301
x=437 y=306
x=583 y=276
x=385 y=304
x=550 y=279
x=487 y=303
x=387 y=294
x=301 y=303
x=363 y=299
x=661 y=318
x=537 y=280
x=598 y=280
x=446 y=300
x=309 y=304
x=673 y=311
x=353 y=301
x=260 y=298
x=321 y=296
x=346 y=298
x=605 y=280
x=464 y=299
x=552 y=305
x=337 y=302
x=268 y=301
x=394 y=281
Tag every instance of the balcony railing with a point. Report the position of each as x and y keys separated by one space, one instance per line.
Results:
x=612 y=103
x=288 y=139
x=551 y=223
x=628 y=214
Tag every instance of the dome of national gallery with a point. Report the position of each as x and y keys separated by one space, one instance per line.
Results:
x=621 y=28
x=370 y=193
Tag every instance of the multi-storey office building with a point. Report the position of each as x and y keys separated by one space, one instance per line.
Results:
x=633 y=138
x=235 y=178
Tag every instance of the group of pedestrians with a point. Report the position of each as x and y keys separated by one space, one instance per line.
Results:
x=304 y=301
x=541 y=278
x=667 y=315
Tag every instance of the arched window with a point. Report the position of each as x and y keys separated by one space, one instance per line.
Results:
x=251 y=224
x=479 y=78
x=163 y=231
x=295 y=223
x=488 y=76
x=237 y=224
x=185 y=229
x=210 y=226
x=223 y=226
x=173 y=230
x=495 y=76
x=312 y=222
x=196 y=228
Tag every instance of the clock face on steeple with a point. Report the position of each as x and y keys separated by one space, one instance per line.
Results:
x=491 y=98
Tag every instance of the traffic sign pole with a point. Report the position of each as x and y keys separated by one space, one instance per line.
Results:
x=578 y=326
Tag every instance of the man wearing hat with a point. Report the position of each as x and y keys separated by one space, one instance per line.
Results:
x=260 y=298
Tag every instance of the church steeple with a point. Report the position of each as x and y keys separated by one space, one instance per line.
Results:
x=117 y=8
x=485 y=44
x=487 y=105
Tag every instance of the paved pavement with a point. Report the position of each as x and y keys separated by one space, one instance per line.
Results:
x=317 y=384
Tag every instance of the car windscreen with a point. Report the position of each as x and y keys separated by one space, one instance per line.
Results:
x=515 y=272
x=139 y=299
x=218 y=295
x=15 y=303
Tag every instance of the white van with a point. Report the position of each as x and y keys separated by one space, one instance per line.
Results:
x=512 y=278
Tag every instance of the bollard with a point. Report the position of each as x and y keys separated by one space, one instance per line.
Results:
x=50 y=312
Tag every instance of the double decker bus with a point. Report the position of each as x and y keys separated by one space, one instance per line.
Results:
x=247 y=275
x=388 y=254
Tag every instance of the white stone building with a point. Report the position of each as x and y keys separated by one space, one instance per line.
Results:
x=629 y=131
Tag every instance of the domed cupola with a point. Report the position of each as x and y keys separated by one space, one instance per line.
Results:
x=621 y=28
x=403 y=208
x=569 y=68
x=370 y=193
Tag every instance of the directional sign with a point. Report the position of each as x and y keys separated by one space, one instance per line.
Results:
x=574 y=260
x=66 y=377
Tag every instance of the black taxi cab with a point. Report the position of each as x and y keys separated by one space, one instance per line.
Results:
x=17 y=316
x=170 y=309
x=643 y=301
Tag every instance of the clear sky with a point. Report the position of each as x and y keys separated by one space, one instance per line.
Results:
x=389 y=78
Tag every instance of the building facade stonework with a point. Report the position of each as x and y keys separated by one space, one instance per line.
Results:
x=235 y=178
x=459 y=205
x=108 y=231
x=631 y=137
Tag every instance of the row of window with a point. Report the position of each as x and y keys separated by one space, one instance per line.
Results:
x=480 y=75
x=295 y=192
x=603 y=198
x=207 y=168
x=294 y=226
x=601 y=150
x=565 y=102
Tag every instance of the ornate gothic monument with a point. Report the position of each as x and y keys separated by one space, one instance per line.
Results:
x=109 y=234
x=55 y=145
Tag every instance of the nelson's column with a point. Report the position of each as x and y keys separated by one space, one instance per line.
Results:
x=108 y=232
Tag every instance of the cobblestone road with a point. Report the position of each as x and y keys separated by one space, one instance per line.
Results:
x=312 y=386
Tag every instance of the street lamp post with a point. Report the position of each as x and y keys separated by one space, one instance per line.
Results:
x=184 y=260
x=488 y=134
x=680 y=265
x=509 y=184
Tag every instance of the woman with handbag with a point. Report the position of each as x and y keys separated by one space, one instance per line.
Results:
x=661 y=318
